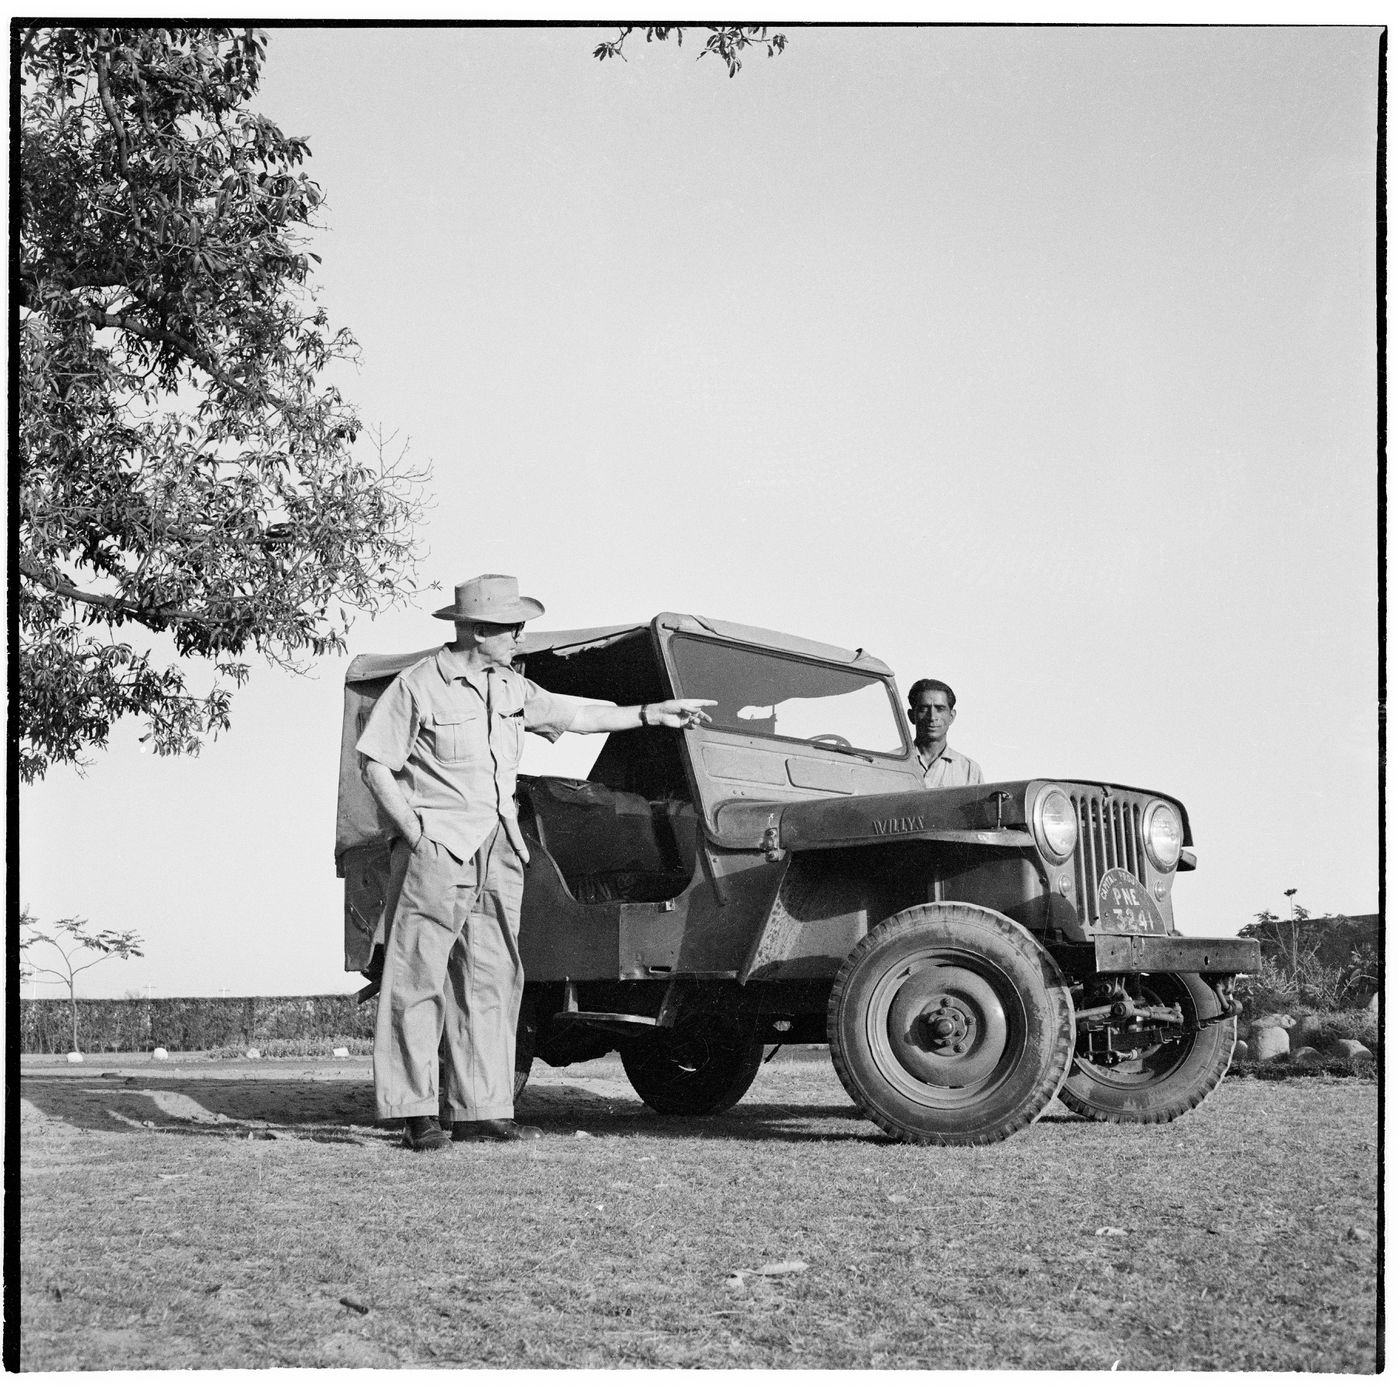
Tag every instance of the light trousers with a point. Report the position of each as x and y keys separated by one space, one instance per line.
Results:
x=452 y=982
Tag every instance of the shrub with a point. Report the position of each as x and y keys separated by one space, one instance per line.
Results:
x=1322 y=964
x=197 y=1024
x=1269 y=991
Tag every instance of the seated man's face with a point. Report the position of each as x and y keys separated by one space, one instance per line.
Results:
x=932 y=717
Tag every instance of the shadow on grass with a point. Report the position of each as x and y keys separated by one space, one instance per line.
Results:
x=325 y=1112
x=342 y=1111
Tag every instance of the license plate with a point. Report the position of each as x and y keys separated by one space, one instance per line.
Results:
x=1125 y=905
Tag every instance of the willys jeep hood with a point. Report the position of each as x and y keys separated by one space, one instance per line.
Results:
x=992 y=813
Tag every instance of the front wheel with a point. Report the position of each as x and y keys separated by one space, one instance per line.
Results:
x=704 y=1065
x=950 y=1025
x=1160 y=1081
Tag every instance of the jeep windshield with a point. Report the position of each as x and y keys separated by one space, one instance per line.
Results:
x=795 y=698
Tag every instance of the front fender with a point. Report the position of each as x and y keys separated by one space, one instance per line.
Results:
x=814 y=922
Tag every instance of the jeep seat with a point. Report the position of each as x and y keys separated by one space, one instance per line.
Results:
x=612 y=845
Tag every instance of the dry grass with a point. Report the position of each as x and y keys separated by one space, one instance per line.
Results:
x=164 y=1227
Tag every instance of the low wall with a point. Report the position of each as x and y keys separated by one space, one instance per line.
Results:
x=190 y=1024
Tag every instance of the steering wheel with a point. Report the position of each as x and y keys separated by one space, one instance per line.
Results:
x=837 y=738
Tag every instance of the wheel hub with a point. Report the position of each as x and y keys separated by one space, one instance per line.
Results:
x=947 y=1025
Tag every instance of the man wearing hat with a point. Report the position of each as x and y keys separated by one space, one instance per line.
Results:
x=441 y=748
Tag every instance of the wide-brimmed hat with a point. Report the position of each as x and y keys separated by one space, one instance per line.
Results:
x=491 y=598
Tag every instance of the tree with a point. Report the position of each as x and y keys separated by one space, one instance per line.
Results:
x=184 y=465
x=71 y=939
x=725 y=41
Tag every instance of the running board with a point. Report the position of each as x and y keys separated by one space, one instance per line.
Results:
x=605 y=1020
x=622 y=1022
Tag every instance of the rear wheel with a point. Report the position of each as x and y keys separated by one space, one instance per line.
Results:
x=703 y=1065
x=1166 y=1078
x=950 y=1025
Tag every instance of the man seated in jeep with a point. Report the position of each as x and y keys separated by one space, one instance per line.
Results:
x=932 y=709
x=441 y=749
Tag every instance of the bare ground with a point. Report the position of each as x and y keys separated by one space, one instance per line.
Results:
x=199 y=1213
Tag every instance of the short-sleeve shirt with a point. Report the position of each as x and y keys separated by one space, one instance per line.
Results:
x=951 y=768
x=453 y=739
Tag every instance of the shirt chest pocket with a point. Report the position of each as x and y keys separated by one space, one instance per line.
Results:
x=509 y=731
x=455 y=738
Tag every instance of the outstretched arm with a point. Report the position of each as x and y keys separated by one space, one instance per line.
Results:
x=669 y=713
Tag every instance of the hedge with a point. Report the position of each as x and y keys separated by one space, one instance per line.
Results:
x=189 y=1024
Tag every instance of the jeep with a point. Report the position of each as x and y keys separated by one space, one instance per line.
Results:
x=782 y=875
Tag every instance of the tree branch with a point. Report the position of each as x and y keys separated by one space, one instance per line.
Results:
x=104 y=93
x=64 y=589
x=163 y=337
x=36 y=274
x=106 y=955
x=36 y=970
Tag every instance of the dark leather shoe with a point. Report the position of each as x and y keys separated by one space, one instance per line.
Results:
x=424 y=1134
x=493 y=1131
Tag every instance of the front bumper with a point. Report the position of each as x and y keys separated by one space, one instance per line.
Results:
x=1174 y=955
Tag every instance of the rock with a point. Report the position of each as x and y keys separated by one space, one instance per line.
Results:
x=253 y=1054
x=1349 y=1049
x=1269 y=1043
x=160 y=1054
x=1306 y=1056
x=74 y=1057
x=1304 y=1031
x=1283 y=1020
x=1360 y=1234
x=1241 y=1053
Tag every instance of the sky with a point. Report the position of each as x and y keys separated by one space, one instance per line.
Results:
x=1039 y=360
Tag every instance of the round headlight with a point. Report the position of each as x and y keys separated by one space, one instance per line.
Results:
x=1054 y=822
x=1162 y=831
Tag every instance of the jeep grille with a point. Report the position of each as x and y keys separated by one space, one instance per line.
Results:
x=1110 y=836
